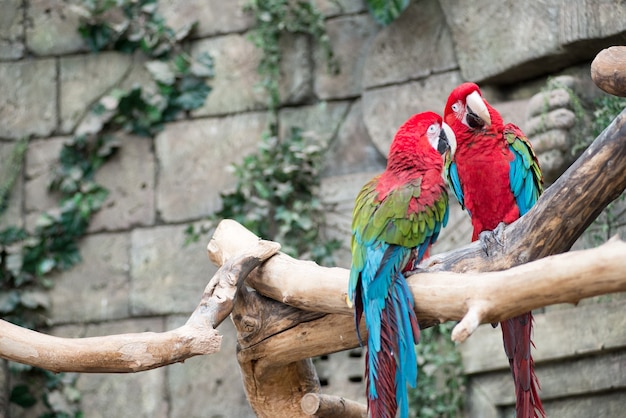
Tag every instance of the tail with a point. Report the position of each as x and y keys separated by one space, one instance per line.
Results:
x=391 y=362
x=517 y=345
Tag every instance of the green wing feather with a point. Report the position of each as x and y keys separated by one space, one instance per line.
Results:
x=389 y=220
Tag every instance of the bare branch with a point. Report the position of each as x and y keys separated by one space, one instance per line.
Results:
x=127 y=353
x=123 y=353
x=608 y=70
x=327 y=406
x=440 y=296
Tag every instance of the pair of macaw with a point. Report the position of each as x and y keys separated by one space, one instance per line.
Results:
x=493 y=171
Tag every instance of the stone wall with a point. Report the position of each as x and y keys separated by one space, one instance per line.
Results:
x=137 y=276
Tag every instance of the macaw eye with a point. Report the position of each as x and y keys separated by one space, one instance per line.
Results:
x=456 y=107
x=433 y=134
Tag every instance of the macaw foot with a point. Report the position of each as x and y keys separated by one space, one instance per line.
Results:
x=493 y=241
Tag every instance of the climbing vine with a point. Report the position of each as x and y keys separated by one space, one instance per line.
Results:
x=613 y=217
x=28 y=258
x=276 y=194
x=272 y=20
x=441 y=384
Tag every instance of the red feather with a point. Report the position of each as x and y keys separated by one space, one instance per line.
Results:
x=483 y=160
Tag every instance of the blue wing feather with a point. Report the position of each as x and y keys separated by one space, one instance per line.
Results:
x=377 y=279
x=454 y=183
x=524 y=175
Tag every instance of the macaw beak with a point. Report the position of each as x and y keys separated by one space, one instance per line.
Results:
x=477 y=113
x=447 y=140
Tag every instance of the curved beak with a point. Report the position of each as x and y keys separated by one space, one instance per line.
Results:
x=447 y=140
x=477 y=112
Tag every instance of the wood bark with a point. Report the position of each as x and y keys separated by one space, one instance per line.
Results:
x=323 y=406
x=608 y=70
x=126 y=353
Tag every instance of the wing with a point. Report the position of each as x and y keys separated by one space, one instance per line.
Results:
x=385 y=232
x=399 y=219
x=525 y=174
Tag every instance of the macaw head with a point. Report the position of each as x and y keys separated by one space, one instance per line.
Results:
x=424 y=134
x=467 y=107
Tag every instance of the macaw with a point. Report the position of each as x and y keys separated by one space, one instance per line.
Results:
x=496 y=177
x=397 y=216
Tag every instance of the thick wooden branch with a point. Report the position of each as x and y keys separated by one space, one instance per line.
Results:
x=608 y=70
x=327 y=406
x=439 y=296
x=126 y=353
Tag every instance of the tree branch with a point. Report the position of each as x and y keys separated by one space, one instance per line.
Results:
x=327 y=406
x=127 y=353
x=439 y=296
x=609 y=72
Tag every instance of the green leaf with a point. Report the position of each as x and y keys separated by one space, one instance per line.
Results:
x=386 y=11
x=202 y=66
x=9 y=301
x=97 y=36
x=22 y=396
x=161 y=72
x=194 y=93
x=45 y=266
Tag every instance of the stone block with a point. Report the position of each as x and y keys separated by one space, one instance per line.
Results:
x=331 y=8
x=120 y=395
x=12 y=215
x=129 y=176
x=208 y=386
x=352 y=151
x=28 y=105
x=560 y=36
x=193 y=158
x=321 y=120
x=557 y=335
x=167 y=276
x=386 y=108
x=97 y=288
x=414 y=46
x=53 y=27
x=457 y=233
x=514 y=111
x=342 y=374
x=338 y=194
x=237 y=84
x=350 y=37
x=11 y=30
x=585 y=377
x=42 y=157
x=84 y=79
x=294 y=85
x=214 y=17
x=235 y=87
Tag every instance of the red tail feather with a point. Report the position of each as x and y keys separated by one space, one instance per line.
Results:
x=517 y=344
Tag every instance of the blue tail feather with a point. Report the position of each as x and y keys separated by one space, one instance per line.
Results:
x=393 y=333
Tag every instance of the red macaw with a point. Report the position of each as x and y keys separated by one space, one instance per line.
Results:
x=495 y=175
x=397 y=216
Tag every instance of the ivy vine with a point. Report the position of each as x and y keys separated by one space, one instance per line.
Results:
x=613 y=218
x=441 y=384
x=27 y=258
x=272 y=20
